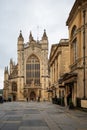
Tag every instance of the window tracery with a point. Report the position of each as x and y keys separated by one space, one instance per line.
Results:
x=33 y=70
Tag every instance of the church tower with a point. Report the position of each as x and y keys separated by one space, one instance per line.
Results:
x=6 y=74
x=45 y=76
x=20 y=52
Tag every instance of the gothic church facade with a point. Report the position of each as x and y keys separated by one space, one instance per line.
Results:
x=28 y=79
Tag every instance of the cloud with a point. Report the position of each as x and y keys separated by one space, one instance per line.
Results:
x=27 y=15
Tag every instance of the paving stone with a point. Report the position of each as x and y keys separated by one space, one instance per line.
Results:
x=11 y=123
x=33 y=123
x=4 y=118
x=13 y=118
x=33 y=128
x=1 y=125
x=11 y=113
x=66 y=127
x=40 y=116
x=32 y=117
x=50 y=122
x=9 y=128
x=82 y=129
x=31 y=111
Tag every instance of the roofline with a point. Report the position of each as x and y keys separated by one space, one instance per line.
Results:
x=73 y=10
x=63 y=42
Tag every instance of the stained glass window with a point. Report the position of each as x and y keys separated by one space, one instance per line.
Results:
x=33 y=70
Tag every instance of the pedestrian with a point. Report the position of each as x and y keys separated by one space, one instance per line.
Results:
x=38 y=99
x=27 y=99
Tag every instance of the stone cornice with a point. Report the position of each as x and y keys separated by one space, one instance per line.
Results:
x=77 y=4
x=57 y=51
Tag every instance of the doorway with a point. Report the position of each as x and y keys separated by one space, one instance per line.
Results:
x=14 y=97
x=69 y=96
x=32 y=96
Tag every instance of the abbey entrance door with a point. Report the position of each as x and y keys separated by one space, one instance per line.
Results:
x=32 y=96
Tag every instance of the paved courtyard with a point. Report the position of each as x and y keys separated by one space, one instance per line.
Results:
x=40 y=116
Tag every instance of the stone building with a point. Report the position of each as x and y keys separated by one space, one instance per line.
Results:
x=59 y=64
x=28 y=79
x=75 y=81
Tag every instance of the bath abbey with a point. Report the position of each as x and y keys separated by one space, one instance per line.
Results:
x=28 y=79
x=62 y=77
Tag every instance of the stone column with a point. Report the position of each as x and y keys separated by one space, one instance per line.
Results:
x=66 y=93
x=75 y=93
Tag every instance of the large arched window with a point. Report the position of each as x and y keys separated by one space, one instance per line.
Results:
x=33 y=70
x=73 y=32
x=74 y=44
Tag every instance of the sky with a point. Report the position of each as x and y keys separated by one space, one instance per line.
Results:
x=34 y=16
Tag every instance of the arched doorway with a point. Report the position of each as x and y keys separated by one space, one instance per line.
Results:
x=32 y=96
x=14 y=97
